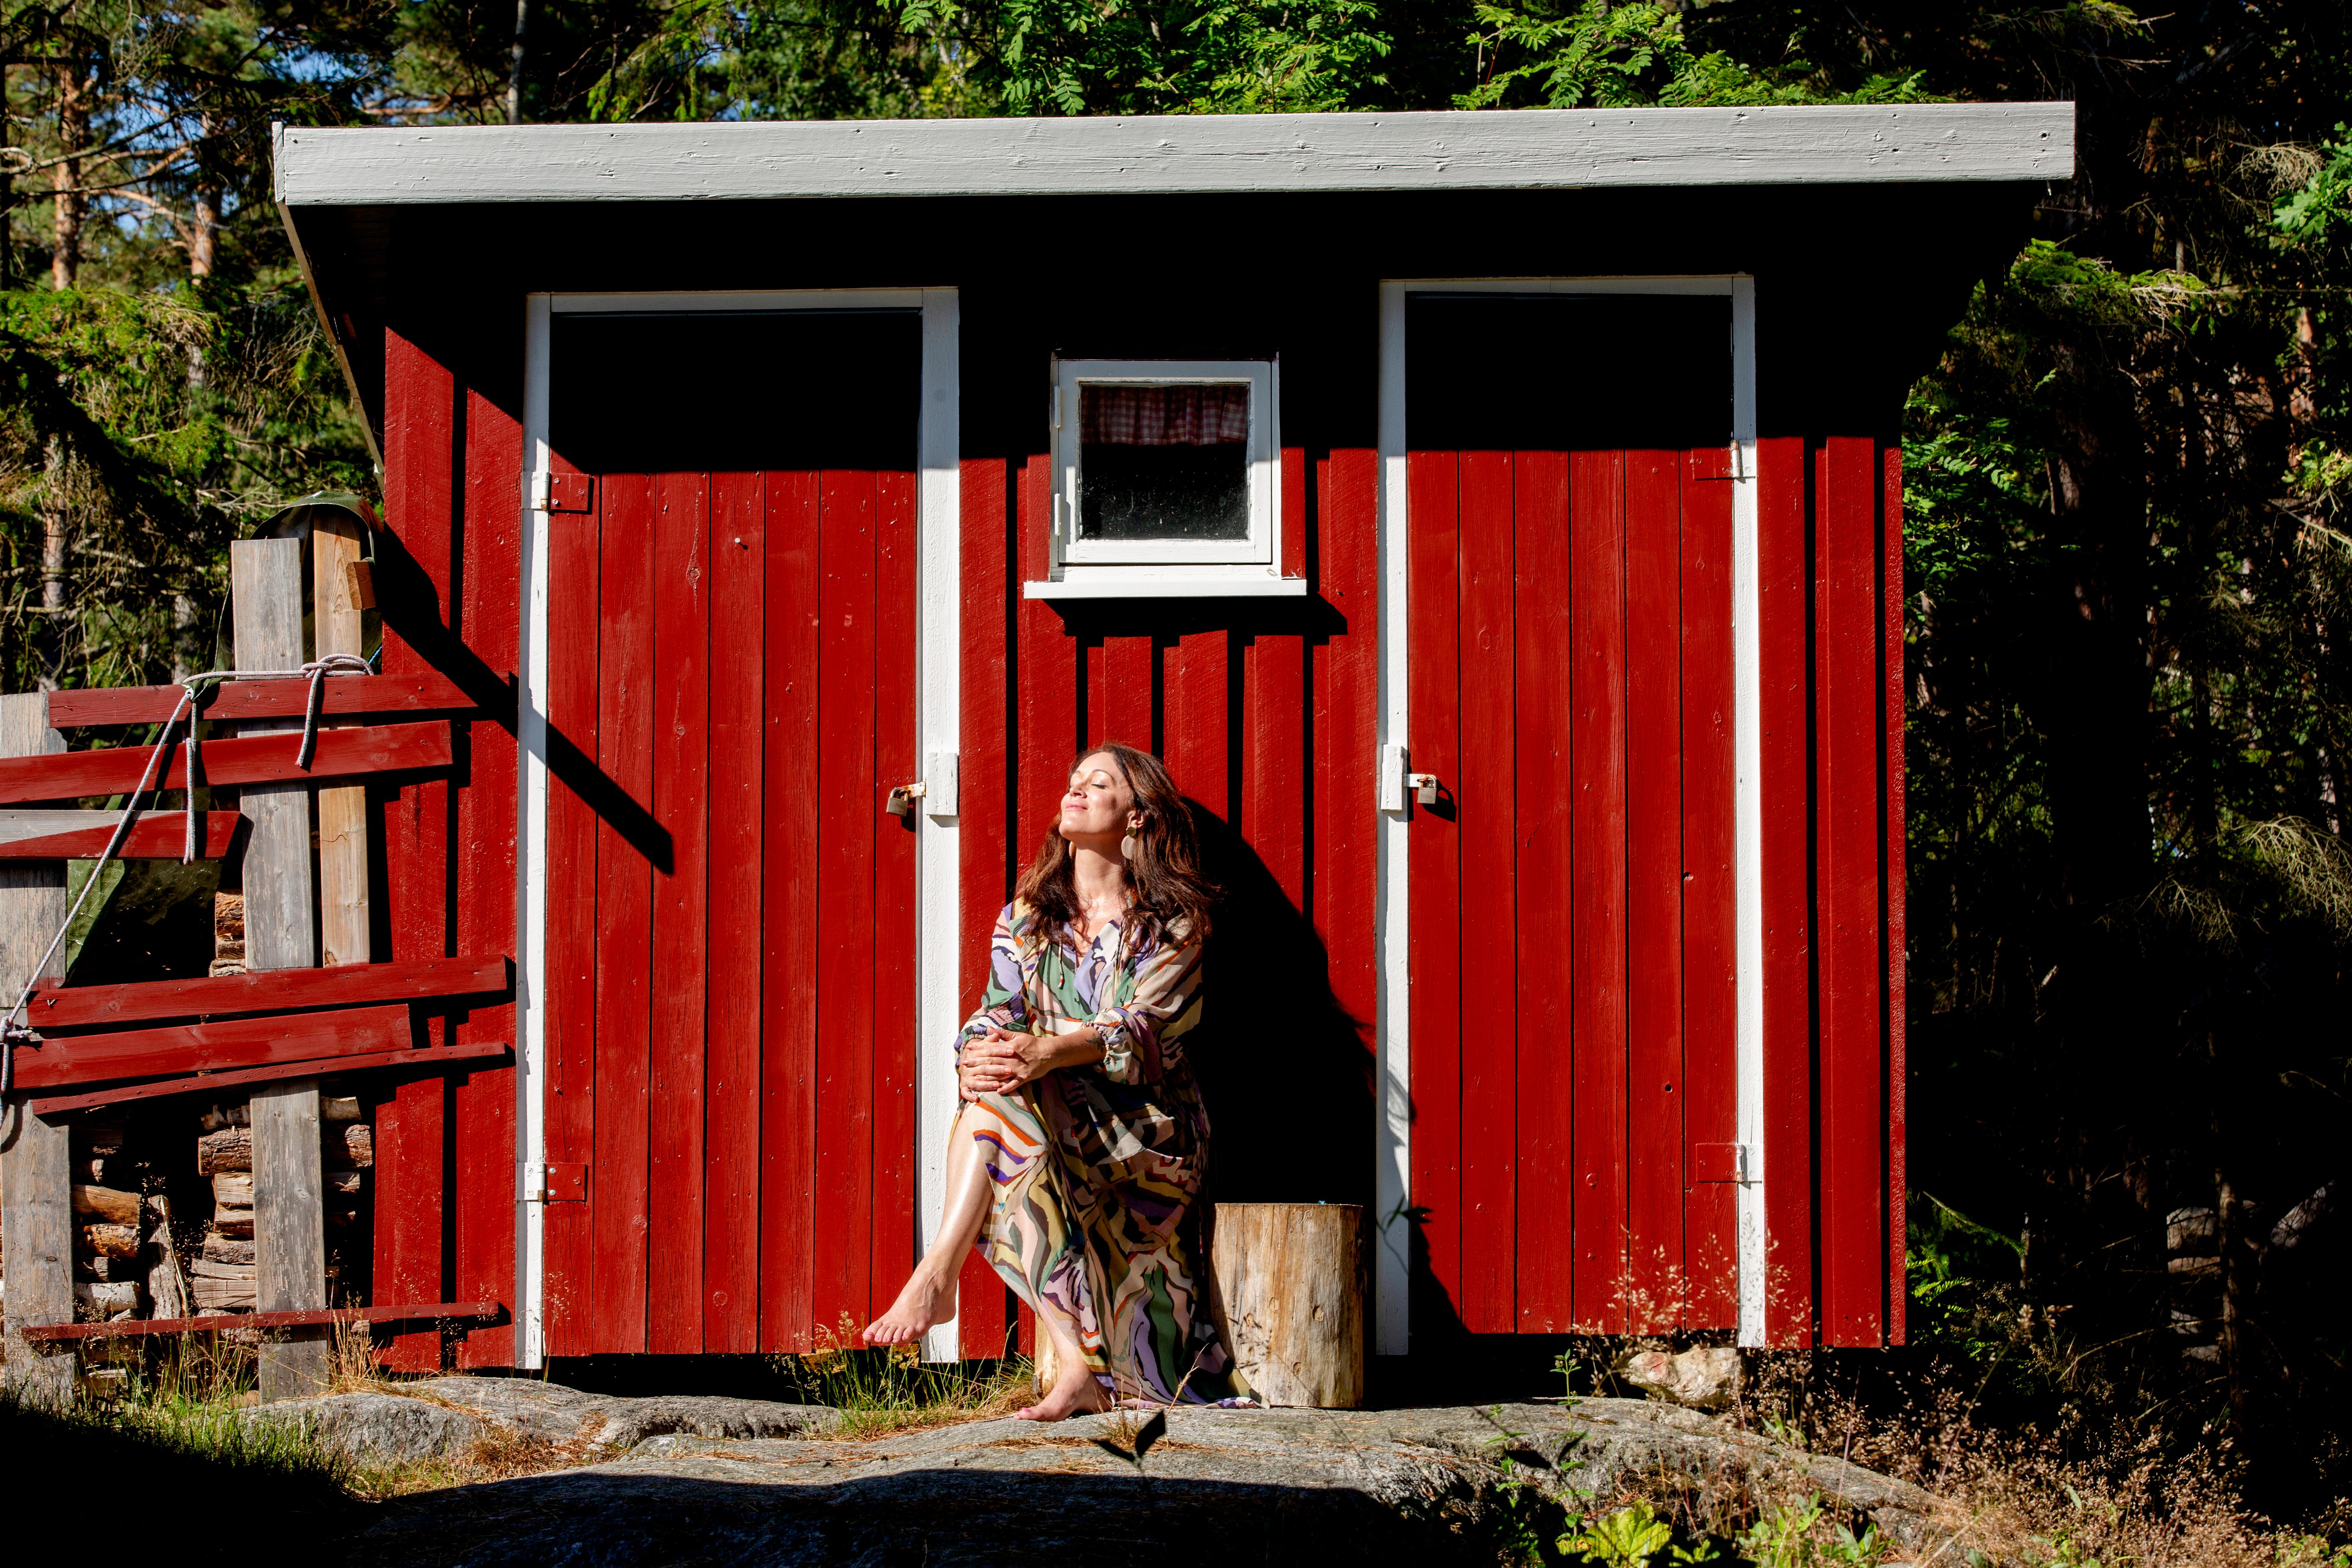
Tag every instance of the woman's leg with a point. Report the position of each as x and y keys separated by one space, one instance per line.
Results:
x=931 y=1290
x=1075 y=1390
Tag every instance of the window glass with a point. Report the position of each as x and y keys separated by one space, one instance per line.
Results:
x=1166 y=461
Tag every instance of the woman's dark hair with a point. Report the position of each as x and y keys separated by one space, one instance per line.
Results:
x=1163 y=878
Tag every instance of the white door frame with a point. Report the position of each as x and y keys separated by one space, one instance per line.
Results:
x=1392 y=1181
x=938 y=534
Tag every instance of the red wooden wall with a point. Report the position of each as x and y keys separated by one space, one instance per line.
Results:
x=1266 y=713
x=1266 y=718
x=446 y=1181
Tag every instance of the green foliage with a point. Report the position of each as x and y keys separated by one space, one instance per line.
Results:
x=1613 y=54
x=1793 y=1535
x=1630 y=1537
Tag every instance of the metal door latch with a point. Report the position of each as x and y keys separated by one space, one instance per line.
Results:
x=904 y=797
x=1424 y=787
x=561 y=1181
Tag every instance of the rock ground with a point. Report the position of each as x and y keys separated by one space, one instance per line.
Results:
x=1231 y=1487
x=375 y=1428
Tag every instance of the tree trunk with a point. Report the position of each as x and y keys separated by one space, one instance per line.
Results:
x=7 y=193
x=56 y=547
x=65 y=180
x=514 y=71
x=187 y=658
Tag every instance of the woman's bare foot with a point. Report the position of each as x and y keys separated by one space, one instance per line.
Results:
x=1076 y=1393
x=928 y=1297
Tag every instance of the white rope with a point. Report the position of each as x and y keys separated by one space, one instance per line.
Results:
x=192 y=691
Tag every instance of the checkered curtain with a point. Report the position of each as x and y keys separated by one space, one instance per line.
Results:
x=1209 y=414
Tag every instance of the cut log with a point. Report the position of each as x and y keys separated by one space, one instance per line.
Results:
x=220 y=1116
x=233 y=1190
x=344 y=1183
x=110 y=1241
x=236 y=1223
x=93 y=1169
x=344 y=1146
x=339 y=1108
x=224 y=1249
x=204 y=1268
x=103 y=1300
x=230 y=1149
x=109 y=1269
x=223 y=1295
x=1290 y=1281
x=111 y=1204
x=349 y=1144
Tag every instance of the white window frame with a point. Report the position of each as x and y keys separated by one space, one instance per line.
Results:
x=1168 y=567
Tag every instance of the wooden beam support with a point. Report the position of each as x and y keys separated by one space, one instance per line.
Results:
x=213 y=1082
x=344 y=696
x=437 y=1312
x=208 y=1047
x=84 y=835
x=335 y=546
x=35 y=1185
x=248 y=760
x=57 y=1006
x=289 y=1224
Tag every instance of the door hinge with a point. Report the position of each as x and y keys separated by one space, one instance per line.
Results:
x=1722 y=1163
x=551 y=491
x=561 y=1181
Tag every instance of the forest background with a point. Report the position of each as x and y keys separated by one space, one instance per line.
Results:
x=2130 y=565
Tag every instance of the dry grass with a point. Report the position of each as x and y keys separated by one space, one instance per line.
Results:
x=881 y=1393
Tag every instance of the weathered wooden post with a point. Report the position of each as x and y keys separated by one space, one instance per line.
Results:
x=36 y=1184
x=289 y=1234
x=1291 y=1280
x=335 y=628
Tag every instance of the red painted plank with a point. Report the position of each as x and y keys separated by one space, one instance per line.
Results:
x=1433 y=853
x=213 y=1082
x=624 y=737
x=1048 y=679
x=730 y=1246
x=1710 y=907
x=1546 y=579
x=983 y=830
x=897 y=759
x=1195 y=673
x=1488 y=783
x=1294 y=511
x=483 y=1101
x=788 y=1002
x=428 y=691
x=1656 y=1085
x=412 y=1190
x=1784 y=702
x=151 y=838
x=205 y=1048
x=1126 y=714
x=1274 y=757
x=1891 y=603
x=1850 y=701
x=848 y=800
x=1597 y=898
x=437 y=1312
x=56 y=1005
x=681 y=933
x=248 y=759
x=1347 y=730
x=567 y=1234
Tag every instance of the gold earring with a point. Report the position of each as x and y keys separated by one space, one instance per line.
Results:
x=1127 y=846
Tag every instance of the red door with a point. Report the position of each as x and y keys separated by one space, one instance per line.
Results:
x=1571 y=896
x=731 y=693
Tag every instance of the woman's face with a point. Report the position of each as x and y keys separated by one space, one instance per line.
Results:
x=1099 y=800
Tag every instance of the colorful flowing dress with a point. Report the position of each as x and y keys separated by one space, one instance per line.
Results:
x=1097 y=1169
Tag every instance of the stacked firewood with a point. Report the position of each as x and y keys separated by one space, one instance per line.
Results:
x=224 y=1273
x=108 y=1235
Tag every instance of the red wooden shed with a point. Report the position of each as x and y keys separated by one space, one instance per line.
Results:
x=1494 y=518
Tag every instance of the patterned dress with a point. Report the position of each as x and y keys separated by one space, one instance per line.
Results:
x=1097 y=1169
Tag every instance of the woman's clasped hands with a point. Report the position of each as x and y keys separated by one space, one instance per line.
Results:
x=1000 y=1062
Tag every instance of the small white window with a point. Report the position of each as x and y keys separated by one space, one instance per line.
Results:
x=1166 y=479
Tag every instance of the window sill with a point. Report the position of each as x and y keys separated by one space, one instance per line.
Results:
x=1141 y=587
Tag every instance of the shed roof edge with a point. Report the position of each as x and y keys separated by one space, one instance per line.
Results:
x=1177 y=154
